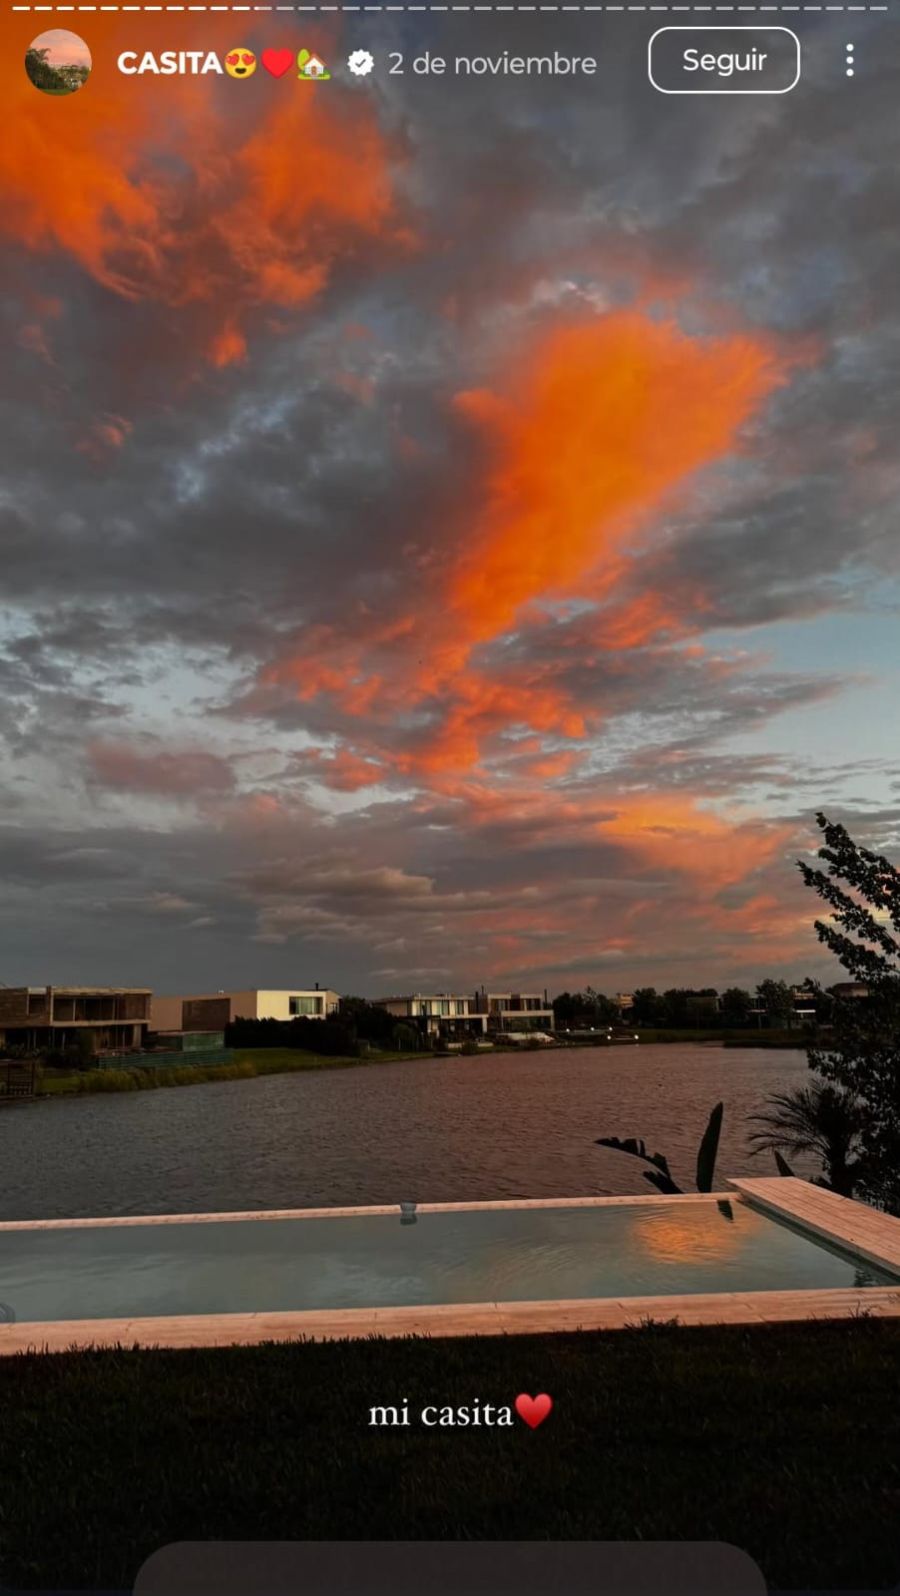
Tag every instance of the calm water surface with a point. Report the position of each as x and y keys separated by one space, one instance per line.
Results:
x=440 y=1130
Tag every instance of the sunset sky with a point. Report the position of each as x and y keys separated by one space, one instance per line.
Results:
x=62 y=47
x=449 y=529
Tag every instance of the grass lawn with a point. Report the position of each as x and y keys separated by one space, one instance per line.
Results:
x=244 y=1065
x=783 y=1440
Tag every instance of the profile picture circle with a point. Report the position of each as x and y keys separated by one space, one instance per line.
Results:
x=58 y=62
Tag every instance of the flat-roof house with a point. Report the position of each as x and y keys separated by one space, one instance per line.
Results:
x=437 y=1013
x=515 y=1011
x=212 y=1011
x=455 y=1014
x=112 y=1018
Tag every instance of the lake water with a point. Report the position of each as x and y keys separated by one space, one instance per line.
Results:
x=442 y=1130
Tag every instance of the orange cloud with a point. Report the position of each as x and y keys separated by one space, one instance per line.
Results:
x=479 y=709
x=594 y=426
x=105 y=436
x=227 y=347
x=581 y=440
x=551 y=766
x=674 y=834
x=183 y=773
x=190 y=191
x=340 y=769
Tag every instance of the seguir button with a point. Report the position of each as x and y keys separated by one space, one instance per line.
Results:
x=705 y=60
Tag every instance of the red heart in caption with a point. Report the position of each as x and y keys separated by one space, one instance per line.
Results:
x=533 y=1410
x=278 y=61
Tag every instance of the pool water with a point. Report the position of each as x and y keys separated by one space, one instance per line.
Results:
x=378 y=1260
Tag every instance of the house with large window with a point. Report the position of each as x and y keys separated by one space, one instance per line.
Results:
x=212 y=1011
x=514 y=1011
x=448 y=1014
x=101 y=1018
x=456 y=1016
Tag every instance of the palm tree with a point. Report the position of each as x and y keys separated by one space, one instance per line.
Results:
x=819 y=1119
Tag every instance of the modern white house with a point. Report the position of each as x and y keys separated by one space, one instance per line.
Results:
x=515 y=1011
x=454 y=1014
x=212 y=1011
x=437 y=1013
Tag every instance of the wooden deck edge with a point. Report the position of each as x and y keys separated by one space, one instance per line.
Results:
x=854 y=1227
x=472 y=1319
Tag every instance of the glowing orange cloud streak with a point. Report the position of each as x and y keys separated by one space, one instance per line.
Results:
x=607 y=418
x=582 y=440
x=674 y=833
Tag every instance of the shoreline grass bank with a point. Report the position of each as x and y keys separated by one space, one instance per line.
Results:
x=775 y=1438
x=250 y=1063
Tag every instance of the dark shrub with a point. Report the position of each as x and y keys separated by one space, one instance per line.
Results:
x=329 y=1038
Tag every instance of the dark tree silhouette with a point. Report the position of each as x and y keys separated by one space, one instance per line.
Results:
x=53 y=79
x=861 y=1054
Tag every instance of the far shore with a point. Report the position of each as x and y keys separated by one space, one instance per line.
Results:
x=249 y=1063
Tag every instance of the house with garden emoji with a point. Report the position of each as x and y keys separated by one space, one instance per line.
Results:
x=311 y=66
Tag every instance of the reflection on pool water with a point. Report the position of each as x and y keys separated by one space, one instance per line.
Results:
x=376 y=1260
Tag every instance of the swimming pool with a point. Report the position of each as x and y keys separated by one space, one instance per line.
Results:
x=382 y=1259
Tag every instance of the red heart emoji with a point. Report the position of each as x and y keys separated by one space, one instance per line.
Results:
x=278 y=61
x=533 y=1410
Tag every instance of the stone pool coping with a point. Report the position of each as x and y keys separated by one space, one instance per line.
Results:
x=355 y=1213
x=848 y=1225
x=459 y=1319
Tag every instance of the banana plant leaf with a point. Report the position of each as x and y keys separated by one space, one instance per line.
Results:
x=709 y=1150
x=660 y=1176
x=662 y=1182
